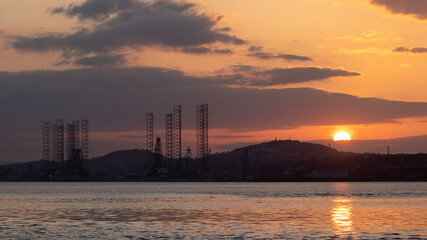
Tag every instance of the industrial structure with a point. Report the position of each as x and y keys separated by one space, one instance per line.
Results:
x=172 y=160
x=67 y=147
x=169 y=136
x=150 y=139
x=54 y=139
x=60 y=142
x=176 y=132
x=73 y=135
x=46 y=141
x=158 y=147
x=202 y=145
x=53 y=142
x=173 y=133
x=173 y=145
x=85 y=139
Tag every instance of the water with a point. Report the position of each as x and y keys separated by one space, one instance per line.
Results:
x=213 y=210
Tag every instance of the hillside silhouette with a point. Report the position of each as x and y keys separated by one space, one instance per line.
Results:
x=269 y=161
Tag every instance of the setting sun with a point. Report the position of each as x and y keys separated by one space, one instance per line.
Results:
x=342 y=136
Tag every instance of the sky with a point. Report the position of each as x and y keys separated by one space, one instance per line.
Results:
x=268 y=69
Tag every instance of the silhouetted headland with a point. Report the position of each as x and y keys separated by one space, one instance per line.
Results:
x=269 y=161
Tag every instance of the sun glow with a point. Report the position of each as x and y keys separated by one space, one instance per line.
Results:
x=342 y=136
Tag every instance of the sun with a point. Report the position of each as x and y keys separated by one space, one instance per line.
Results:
x=342 y=136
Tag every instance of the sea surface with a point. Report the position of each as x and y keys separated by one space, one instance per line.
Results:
x=387 y=210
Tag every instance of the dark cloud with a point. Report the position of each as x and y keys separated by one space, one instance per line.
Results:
x=196 y=50
x=288 y=57
x=123 y=89
x=255 y=48
x=62 y=62
x=257 y=52
x=419 y=50
x=101 y=60
x=291 y=57
x=130 y=24
x=232 y=71
x=416 y=8
x=253 y=76
x=242 y=68
x=223 y=51
x=412 y=50
x=95 y=9
x=116 y=99
x=205 y=50
x=297 y=75
x=224 y=29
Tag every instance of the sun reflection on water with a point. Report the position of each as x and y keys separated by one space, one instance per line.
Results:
x=341 y=216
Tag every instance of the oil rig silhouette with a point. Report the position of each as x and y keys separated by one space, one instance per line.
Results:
x=71 y=162
x=77 y=143
x=160 y=165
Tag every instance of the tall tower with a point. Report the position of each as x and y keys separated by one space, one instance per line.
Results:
x=85 y=139
x=150 y=140
x=168 y=137
x=73 y=135
x=54 y=142
x=202 y=130
x=176 y=132
x=46 y=140
x=60 y=140
x=150 y=132
x=76 y=125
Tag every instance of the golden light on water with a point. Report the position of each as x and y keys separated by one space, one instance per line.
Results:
x=341 y=215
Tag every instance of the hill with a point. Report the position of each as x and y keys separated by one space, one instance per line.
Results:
x=269 y=161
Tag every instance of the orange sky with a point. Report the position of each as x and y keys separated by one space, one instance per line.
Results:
x=348 y=34
x=352 y=35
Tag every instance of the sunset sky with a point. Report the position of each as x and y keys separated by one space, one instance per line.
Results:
x=300 y=69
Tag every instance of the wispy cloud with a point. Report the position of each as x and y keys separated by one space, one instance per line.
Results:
x=101 y=60
x=371 y=50
x=257 y=52
x=371 y=36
